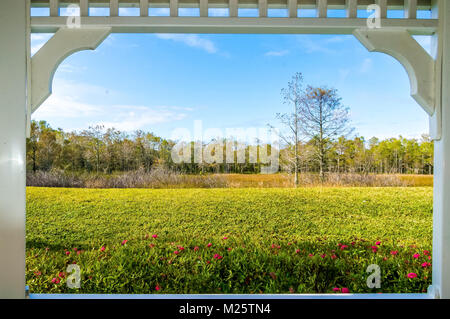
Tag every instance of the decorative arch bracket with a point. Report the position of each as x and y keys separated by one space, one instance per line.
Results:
x=419 y=65
x=44 y=63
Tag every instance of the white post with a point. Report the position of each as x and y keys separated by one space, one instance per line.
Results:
x=441 y=208
x=13 y=30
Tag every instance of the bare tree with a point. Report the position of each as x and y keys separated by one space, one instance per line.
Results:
x=292 y=95
x=322 y=118
x=317 y=115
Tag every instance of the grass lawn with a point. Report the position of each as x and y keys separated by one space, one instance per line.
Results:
x=229 y=240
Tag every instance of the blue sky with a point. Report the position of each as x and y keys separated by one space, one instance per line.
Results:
x=160 y=82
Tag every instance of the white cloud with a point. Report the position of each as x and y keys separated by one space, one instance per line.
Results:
x=191 y=40
x=75 y=105
x=38 y=40
x=366 y=65
x=277 y=53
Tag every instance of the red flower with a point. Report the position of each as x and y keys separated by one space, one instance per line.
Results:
x=333 y=256
x=209 y=245
x=217 y=256
x=411 y=275
x=394 y=252
x=297 y=251
x=374 y=249
x=345 y=290
x=103 y=248
x=196 y=248
x=67 y=253
x=229 y=248
x=416 y=256
x=157 y=288
x=378 y=243
x=343 y=247
x=56 y=280
x=62 y=274
x=311 y=255
x=155 y=236
x=37 y=273
x=336 y=289
x=425 y=265
x=225 y=238
x=426 y=252
x=176 y=252
x=124 y=242
x=323 y=256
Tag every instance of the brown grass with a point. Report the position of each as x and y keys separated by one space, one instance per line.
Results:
x=161 y=178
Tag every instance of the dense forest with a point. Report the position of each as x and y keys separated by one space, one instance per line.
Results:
x=105 y=151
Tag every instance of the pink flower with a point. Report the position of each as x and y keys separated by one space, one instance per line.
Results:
x=225 y=238
x=353 y=243
x=323 y=256
x=394 y=252
x=180 y=248
x=426 y=264
x=56 y=280
x=151 y=245
x=79 y=252
x=208 y=262
x=416 y=256
x=62 y=274
x=155 y=236
x=336 y=289
x=229 y=248
x=378 y=243
x=209 y=245
x=103 y=248
x=333 y=256
x=374 y=249
x=157 y=288
x=345 y=290
x=311 y=255
x=412 y=275
x=297 y=251
x=67 y=253
x=124 y=242
x=426 y=252
x=217 y=256
x=37 y=273
x=343 y=247
x=75 y=249
x=176 y=252
x=196 y=248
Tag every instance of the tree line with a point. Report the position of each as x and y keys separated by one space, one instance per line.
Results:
x=106 y=151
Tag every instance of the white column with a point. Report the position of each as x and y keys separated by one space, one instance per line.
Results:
x=12 y=147
x=441 y=209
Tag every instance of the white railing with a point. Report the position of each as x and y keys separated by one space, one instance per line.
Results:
x=351 y=7
x=319 y=20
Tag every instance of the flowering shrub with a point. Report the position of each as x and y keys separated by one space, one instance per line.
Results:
x=229 y=240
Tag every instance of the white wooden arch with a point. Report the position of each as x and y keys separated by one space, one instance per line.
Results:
x=25 y=86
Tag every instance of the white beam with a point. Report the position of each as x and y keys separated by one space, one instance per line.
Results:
x=114 y=8
x=84 y=8
x=292 y=8
x=262 y=8
x=441 y=202
x=383 y=8
x=13 y=76
x=54 y=8
x=321 y=8
x=232 y=25
x=233 y=8
x=351 y=8
x=173 y=5
x=410 y=11
x=143 y=8
x=203 y=8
